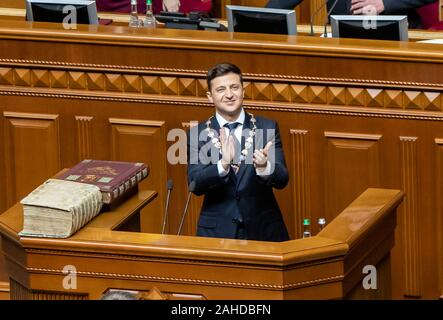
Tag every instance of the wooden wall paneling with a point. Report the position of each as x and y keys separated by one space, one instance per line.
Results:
x=410 y=217
x=4 y=278
x=85 y=141
x=195 y=204
x=32 y=151
x=47 y=295
x=144 y=141
x=4 y=287
x=439 y=212
x=320 y=17
x=19 y=292
x=352 y=166
x=300 y=173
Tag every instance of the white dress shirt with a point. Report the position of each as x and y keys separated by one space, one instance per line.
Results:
x=263 y=172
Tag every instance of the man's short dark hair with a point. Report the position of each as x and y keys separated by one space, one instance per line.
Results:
x=222 y=69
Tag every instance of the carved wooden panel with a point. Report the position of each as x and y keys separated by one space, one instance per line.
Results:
x=356 y=96
x=151 y=84
x=169 y=85
x=100 y=84
x=6 y=76
x=144 y=141
x=300 y=93
x=4 y=288
x=318 y=94
x=32 y=151
x=47 y=295
x=375 y=98
x=195 y=204
x=77 y=80
x=413 y=100
x=40 y=78
x=336 y=95
x=393 y=99
x=262 y=91
x=187 y=87
x=85 y=143
x=410 y=222
x=22 y=77
x=318 y=8
x=300 y=172
x=95 y=80
x=352 y=166
x=431 y=101
x=281 y=92
x=19 y=292
x=439 y=220
x=58 y=79
x=113 y=82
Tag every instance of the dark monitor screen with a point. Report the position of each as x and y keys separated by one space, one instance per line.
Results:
x=53 y=11
x=261 y=20
x=370 y=27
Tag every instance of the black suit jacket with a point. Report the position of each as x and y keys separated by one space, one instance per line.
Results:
x=242 y=196
x=392 y=7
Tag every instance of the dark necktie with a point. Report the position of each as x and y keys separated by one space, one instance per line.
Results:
x=236 y=161
x=232 y=126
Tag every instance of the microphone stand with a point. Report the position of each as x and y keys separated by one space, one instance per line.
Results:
x=169 y=185
x=314 y=14
x=191 y=189
x=327 y=18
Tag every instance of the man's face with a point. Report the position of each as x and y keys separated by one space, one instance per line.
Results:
x=227 y=94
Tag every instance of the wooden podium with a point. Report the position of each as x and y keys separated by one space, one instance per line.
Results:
x=109 y=253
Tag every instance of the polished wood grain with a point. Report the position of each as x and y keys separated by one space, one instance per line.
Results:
x=32 y=140
x=411 y=220
x=354 y=99
x=326 y=266
x=4 y=289
x=300 y=170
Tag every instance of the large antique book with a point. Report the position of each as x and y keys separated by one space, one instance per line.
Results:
x=58 y=208
x=114 y=178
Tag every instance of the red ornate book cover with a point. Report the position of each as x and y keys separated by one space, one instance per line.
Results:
x=114 y=178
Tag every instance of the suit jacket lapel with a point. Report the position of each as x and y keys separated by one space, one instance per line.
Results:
x=243 y=166
x=215 y=125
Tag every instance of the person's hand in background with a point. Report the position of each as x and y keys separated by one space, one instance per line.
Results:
x=171 y=5
x=367 y=7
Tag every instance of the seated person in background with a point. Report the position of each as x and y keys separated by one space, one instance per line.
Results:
x=388 y=7
x=184 y=6
x=429 y=16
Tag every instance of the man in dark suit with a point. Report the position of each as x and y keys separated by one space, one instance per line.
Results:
x=235 y=160
x=387 y=7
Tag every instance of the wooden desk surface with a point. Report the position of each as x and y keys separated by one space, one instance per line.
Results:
x=100 y=233
x=11 y=11
x=328 y=264
x=226 y=41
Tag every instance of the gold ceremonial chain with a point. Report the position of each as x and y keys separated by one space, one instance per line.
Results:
x=248 y=143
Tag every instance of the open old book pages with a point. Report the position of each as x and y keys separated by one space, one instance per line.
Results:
x=58 y=208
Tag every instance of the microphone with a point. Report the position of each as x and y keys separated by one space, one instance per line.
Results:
x=327 y=18
x=314 y=14
x=191 y=189
x=169 y=185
